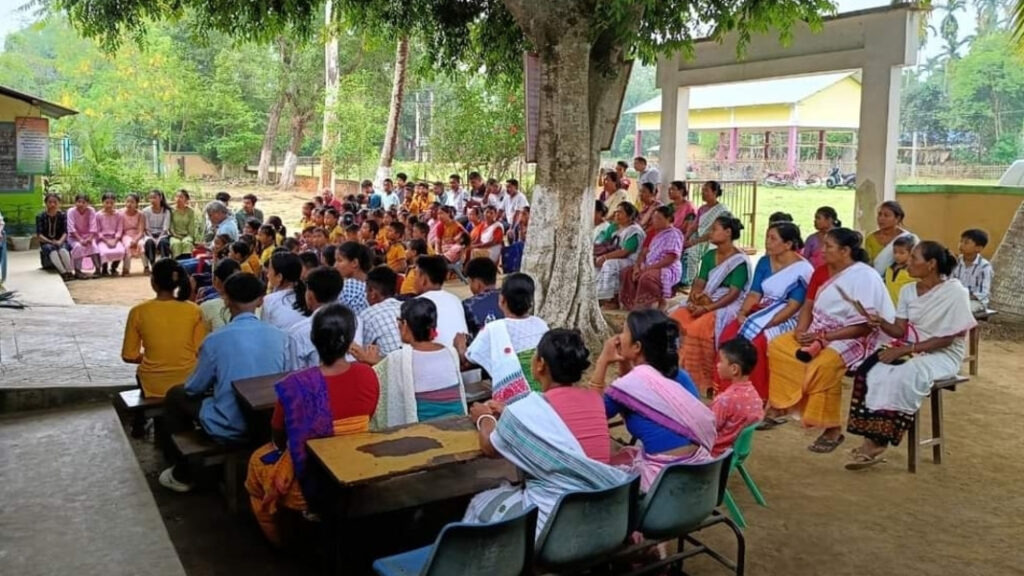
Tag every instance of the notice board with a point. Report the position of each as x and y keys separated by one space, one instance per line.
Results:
x=10 y=180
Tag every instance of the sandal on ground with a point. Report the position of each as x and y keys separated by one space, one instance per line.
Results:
x=769 y=423
x=823 y=445
x=863 y=461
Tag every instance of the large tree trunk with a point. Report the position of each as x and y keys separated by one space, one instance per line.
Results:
x=387 y=151
x=559 y=252
x=578 y=109
x=291 y=157
x=330 y=99
x=269 y=137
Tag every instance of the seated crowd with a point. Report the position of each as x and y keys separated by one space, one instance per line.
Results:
x=355 y=309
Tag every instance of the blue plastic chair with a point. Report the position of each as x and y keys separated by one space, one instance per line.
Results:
x=585 y=526
x=742 y=448
x=3 y=257
x=502 y=548
x=681 y=501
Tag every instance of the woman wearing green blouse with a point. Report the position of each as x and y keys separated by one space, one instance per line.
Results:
x=626 y=237
x=183 y=226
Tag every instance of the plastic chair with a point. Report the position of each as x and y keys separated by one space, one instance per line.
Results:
x=584 y=526
x=681 y=501
x=502 y=548
x=3 y=257
x=742 y=448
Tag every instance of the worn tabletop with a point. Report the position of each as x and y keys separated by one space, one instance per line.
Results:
x=370 y=456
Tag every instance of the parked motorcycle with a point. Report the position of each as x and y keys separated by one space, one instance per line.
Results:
x=836 y=179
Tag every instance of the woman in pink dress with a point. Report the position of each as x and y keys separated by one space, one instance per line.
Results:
x=109 y=236
x=134 y=226
x=82 y=235
x=685 y=215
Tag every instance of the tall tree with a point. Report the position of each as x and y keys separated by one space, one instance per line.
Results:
x=584 y=47
x=303 y=98
x=330 y=97
x=387 y=151
x=274 y=115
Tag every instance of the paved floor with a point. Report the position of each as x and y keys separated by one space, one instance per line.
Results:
x=74 y=500
x=35 y=286
x=73 y=347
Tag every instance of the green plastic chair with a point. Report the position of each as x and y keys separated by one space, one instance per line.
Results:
x=742 y=448
x=682 y=502
x=503 y=548
x=584 y=526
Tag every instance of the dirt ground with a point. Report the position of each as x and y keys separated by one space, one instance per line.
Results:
x=963 y=517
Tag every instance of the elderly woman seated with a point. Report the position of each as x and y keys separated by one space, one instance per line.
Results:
x=932 y=317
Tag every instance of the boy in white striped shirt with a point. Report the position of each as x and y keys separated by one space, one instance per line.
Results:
x=973 y=270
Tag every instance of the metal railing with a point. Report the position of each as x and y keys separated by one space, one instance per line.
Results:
x=741 y=198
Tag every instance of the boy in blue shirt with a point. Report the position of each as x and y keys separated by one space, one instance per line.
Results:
x=244 y=348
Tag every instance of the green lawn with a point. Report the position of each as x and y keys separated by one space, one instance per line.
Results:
x=801 y=204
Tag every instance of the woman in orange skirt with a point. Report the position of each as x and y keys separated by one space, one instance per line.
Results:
x=714 y=300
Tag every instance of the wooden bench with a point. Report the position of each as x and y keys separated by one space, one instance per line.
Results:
x=132 y=402
x=973 y=356
x=935 y=442
x=133 y=407
x=202 y=452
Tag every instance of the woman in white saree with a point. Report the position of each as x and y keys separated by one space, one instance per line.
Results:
x=832 y=335
x=932 y=318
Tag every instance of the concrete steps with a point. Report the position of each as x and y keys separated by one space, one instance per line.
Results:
x=74 y=498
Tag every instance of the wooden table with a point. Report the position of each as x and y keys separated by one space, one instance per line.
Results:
x=257 y=394
x=408 y=466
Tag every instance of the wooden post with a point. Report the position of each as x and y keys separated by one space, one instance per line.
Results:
x=821 y=145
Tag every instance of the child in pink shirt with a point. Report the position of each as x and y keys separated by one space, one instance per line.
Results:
x=740 y=405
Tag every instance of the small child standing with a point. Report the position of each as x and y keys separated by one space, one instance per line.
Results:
x=973 y=270
x=897 y=276
x=740 y=405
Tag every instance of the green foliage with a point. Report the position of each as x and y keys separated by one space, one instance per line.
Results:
x=478 y=124
x=641 y=88
x=360 y=120
x=208 y=95
x=484 y=33
x=987 y=95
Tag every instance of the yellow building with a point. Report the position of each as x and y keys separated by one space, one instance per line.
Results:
x=819 y=103
x=20 y=193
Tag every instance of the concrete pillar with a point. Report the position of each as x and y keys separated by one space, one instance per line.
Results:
x=734 y=144
x=877 y=140
x=792 y=148
x=722 y=151
x=674 y=141
x=638 y=143
x=821 y=145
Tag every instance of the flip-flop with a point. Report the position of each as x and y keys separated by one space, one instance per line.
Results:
x=824 y=446
x=769 y=423
x=863 y=461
